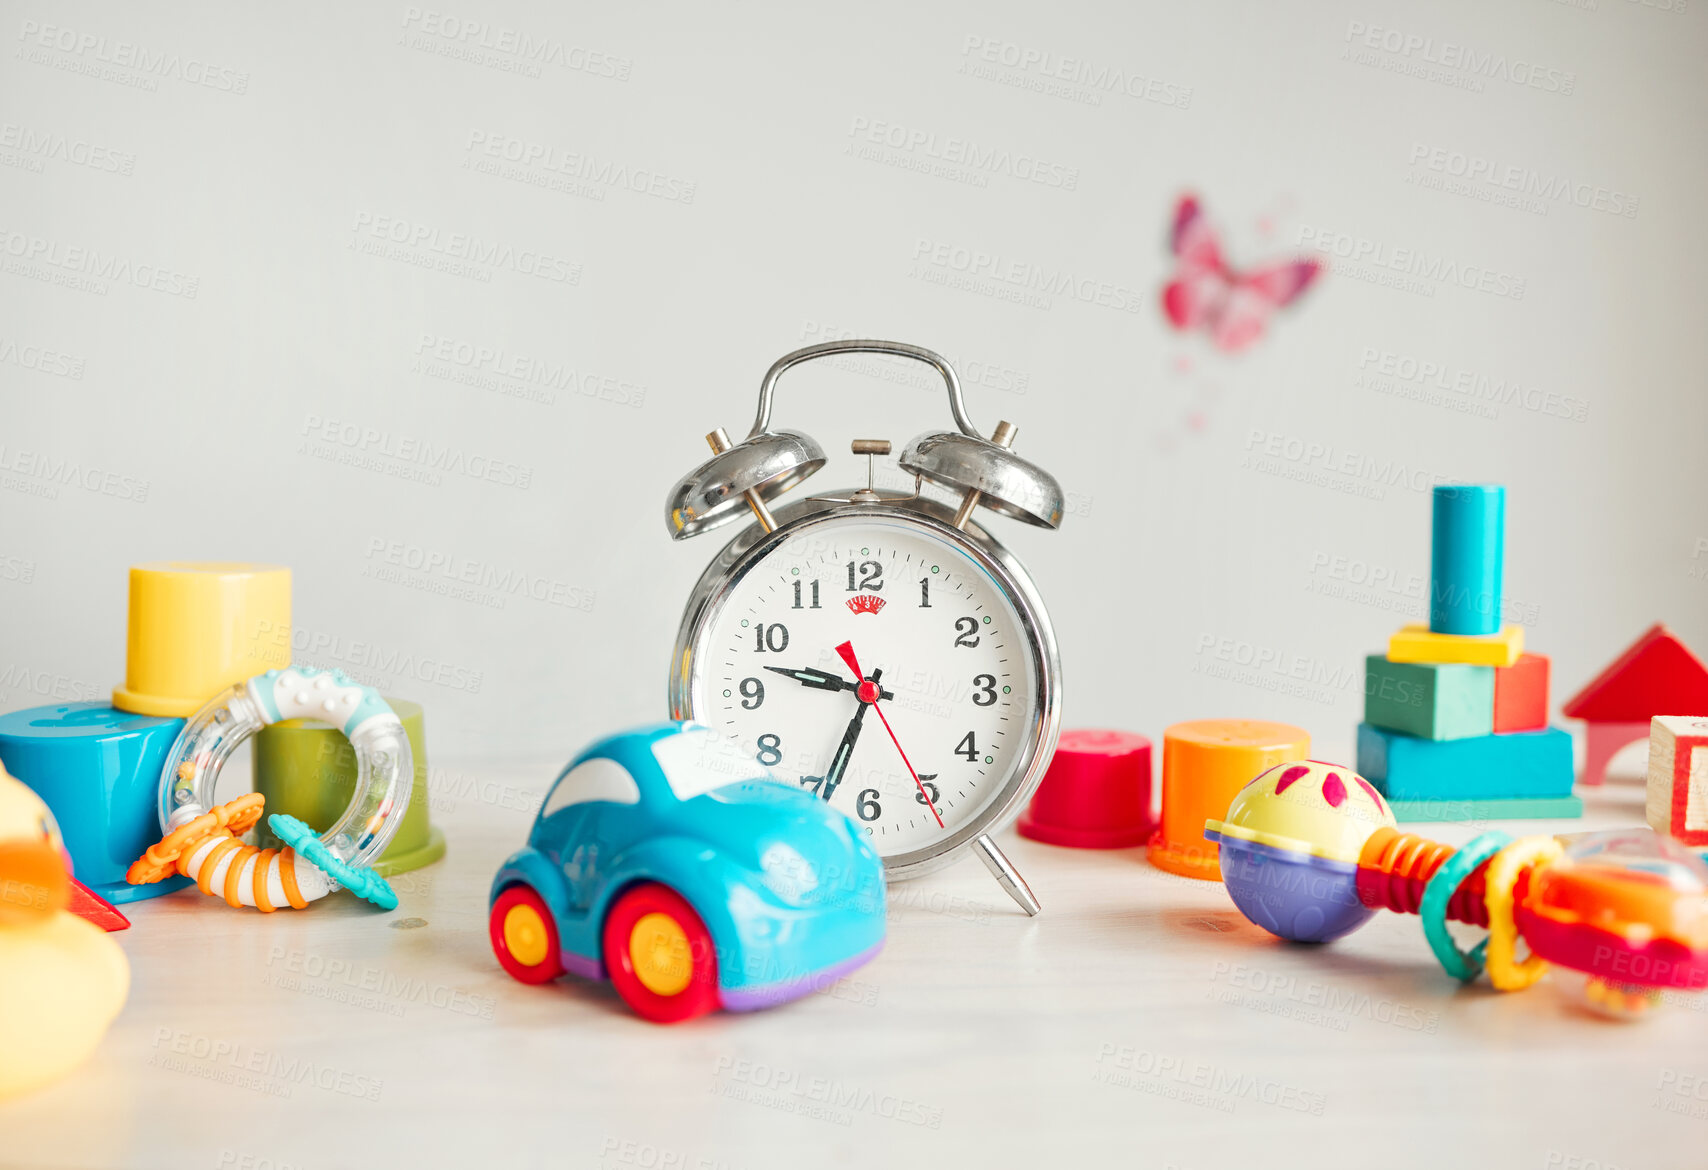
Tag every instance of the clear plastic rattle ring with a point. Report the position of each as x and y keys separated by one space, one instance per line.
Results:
x=203 y=840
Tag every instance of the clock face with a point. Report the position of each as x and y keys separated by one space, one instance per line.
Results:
x=943 y=659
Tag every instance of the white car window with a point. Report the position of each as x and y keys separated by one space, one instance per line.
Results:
x=595 y=779
x=699 y=760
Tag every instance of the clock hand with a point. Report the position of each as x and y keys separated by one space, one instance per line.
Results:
x=807 y=676
x=819 y=680
x=869 y=694
x=845 y=749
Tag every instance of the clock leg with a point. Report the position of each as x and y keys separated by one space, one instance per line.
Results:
x=1005 y=874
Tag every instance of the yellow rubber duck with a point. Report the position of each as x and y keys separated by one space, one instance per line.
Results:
x=62 y=980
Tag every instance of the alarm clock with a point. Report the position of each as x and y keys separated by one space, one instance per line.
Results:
x=878 y=648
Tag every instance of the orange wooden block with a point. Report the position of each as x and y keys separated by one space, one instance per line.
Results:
x=1521 y=694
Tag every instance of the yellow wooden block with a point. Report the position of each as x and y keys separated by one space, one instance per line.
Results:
x=1418 y=643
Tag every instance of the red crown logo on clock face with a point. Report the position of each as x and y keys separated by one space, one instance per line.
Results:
x=865 y=603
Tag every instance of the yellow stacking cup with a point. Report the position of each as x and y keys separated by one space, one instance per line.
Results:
x=197 y=627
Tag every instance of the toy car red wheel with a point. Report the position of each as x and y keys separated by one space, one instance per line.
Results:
x=660 y=955
x=524 y=936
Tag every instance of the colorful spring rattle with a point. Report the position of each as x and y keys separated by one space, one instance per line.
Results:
x=1309 y=852
x=203 y=840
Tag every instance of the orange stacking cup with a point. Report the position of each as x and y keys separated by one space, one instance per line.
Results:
x=1204 y=765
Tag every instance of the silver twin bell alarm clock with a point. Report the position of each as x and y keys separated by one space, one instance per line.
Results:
x=878 y=648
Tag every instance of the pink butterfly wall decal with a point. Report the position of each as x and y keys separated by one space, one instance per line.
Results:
x=1233 y=307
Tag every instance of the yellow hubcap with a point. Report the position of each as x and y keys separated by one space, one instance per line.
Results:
x=658 y=948
x=525 y=935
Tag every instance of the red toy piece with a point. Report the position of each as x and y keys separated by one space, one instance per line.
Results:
x=1096 y=795
x=1521 y=694
x=88 y=905
x=1657 y=675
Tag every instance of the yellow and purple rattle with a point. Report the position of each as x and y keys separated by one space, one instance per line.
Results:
x=1309 y=852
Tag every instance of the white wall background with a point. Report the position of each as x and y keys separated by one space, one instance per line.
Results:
x=188 y=423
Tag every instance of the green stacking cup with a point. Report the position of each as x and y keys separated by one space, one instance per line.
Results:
x=307 y=768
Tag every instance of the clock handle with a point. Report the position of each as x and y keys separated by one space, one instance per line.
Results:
x=768 y=388
x=1005 y=874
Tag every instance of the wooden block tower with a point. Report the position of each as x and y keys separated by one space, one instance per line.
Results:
x=1456 y=713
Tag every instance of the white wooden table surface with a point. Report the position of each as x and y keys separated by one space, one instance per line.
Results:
x=1139 y=1021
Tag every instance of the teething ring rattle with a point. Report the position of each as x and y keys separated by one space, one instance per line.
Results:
x=203 y=840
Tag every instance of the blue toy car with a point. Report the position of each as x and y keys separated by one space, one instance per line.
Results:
x=668 y=862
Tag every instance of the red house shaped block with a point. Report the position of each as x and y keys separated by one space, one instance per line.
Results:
x=1678 y=778
x=1657 y=675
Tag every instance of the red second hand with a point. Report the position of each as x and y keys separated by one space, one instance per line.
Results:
x=846 y=650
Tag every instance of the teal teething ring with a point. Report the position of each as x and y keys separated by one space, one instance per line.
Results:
x=364 y=883
x=1462 y=965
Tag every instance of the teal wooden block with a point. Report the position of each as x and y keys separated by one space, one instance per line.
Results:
x=1467 y=554
x=1432 y=700
x=1486 y=767
x=1512 y=808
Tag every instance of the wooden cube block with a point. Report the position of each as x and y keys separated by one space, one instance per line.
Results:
x=1678 y=777
x=1417 y=643
x=1432 y=700
x=1521 y=694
